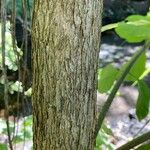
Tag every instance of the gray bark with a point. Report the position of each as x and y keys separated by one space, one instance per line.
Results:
x=66 y=37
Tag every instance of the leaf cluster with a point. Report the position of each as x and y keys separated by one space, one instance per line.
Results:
x=134 y=29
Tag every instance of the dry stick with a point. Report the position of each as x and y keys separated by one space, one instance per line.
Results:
x=4 y=69
x=135 y=142
x=110 y=98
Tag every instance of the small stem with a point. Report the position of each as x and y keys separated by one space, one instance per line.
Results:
x=142 y=127
x=135 y=142
x=4 y=70
x=110 y=98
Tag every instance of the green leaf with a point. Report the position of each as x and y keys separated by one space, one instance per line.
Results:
x=107 y=129
x=142 y=106
x=3 y=146
x=138 y=68
x=144 y=147
x=133 y=33
x=10 y=54
x=137 y=18
x=144 y=74
x=106 y=78
x=99 y=139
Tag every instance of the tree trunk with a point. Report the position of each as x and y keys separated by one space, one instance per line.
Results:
x=66 y=37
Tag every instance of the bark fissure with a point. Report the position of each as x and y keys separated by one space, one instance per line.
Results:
x=66 y=36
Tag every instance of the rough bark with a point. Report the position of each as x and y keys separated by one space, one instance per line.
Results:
x=66 y=37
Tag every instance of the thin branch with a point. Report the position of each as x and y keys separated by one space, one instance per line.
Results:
x=146 y=123
x=25 y=46
x=135 y=142
x=13 y=21
x=110 y=98
x=4 y=70
x=17 y=55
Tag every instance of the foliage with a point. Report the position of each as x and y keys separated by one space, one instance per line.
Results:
x=23 y=129
x=15 y=87
x=107 y=77
x=19 y=8
x=102 y=140
x=138 y=68
x=20 y=133
x=142 y=106
x=135 y=28
x=144 y=147
x=133 y=33
x=28 y=92
x=11 y=57
x=3 y=146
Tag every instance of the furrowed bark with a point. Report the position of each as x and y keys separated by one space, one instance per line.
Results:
x=66 y=37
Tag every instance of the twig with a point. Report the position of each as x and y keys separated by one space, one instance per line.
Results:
x=135 y=142
x=142 y=127
x=13 y=33
x=110 y=98
x=25 y=44
x=4 y=70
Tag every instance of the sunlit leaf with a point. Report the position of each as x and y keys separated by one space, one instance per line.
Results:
x=144 y=74
x=106 y=78
x=144 y=147
x=28 y=92
x=15 y=87
x=10 y=54
x=137 y=18
x=137 y=69
x=133 y=33
x=107 y=129
x=142 y=106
